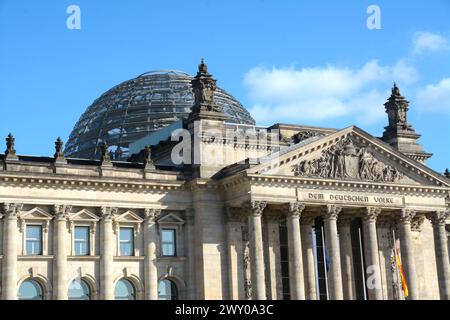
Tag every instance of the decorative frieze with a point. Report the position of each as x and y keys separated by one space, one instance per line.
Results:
x=348 y=160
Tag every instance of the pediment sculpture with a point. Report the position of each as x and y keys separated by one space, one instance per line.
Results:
x=345 y=160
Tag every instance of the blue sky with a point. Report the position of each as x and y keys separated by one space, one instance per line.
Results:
x=337 y=72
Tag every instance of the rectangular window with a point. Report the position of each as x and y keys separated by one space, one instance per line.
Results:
x=168 y=242
x=322 y=260
x=358 y=259
x=82 y=245
x=284 y=260
x=34 y=240
x=126 y=241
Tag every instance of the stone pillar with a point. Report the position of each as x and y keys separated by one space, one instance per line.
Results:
x=150 y=267
x=296 y=285
x=306 y=223
x=442 y=258
x=9 y=272
x=257 y=249
x=374 y=289
x=60 y=261
x=107 y=253
x=407 y=251
x=348 y=283
x=191 y=265
x=332 y=244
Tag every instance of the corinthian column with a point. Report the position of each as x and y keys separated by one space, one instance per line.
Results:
x=297 y=288
x=256 y=249
x=345 y=240
x=60 y=262
x=332 y=244
x=9 y=272
x=369 y=219
x=106 y=249
x=151 y=271
x=407 y=251
x=442 y=258
x=308 y=252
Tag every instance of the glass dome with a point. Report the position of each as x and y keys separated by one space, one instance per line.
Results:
x=137 y=107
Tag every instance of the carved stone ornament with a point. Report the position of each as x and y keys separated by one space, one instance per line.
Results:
x=333 y=212
x=108 y=213
x=295 y=209
x=438 y=218
x=255 y=207
x=12 y=210
x=246 y=263
x=61 y=211
x=417 y=222
x=406 y=215
x=152 y=214
x=303 y=135
x=59 y=153
x=235 y=214
x=345 y=220
x=346 y=160
x=371 y=214
x=204 y=86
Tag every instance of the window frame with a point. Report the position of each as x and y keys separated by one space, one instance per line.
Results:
x=130 y=241
x=88 y=240
x=32 y=240
x=174 y=241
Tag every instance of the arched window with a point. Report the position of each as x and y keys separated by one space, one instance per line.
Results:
x=30 y=290
x=167 y=290
x=79 y=290
x=125 y=290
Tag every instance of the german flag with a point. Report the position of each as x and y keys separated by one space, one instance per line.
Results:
x=402 y=274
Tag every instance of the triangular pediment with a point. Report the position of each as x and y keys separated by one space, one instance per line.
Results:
x=84 y=215
x=128 y=216
x=171 y=219
x=349 y=154
x=36 y=213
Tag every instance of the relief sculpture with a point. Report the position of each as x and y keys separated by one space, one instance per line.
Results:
x=347 y=161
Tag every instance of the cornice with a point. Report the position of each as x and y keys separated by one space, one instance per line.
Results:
x=88 y=183
x=347 y=185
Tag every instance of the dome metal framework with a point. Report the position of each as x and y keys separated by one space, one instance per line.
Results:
x=138 y=107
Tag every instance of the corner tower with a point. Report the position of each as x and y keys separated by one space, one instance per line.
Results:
x=399 y=133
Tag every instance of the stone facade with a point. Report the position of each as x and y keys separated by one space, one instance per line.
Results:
x=245 y=228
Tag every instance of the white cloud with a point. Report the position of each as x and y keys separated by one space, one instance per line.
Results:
x=435 y=97
x=427 y=41
x=314 y=94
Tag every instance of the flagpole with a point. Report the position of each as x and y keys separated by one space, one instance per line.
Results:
x=399 y=279
x=362 y=263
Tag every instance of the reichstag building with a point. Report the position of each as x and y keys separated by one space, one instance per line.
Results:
x=167 y=189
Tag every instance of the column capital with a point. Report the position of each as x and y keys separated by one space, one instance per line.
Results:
x=12 y=209
x=333 y=212
x=307 y=218
x=344 y=220
x=371 y=214
x=235 y=214
x=438 y=218
x=295 y=209
x=256 y=207
x=152 y=214
x=108 y=213
x=61 y=211
x=406 y=215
